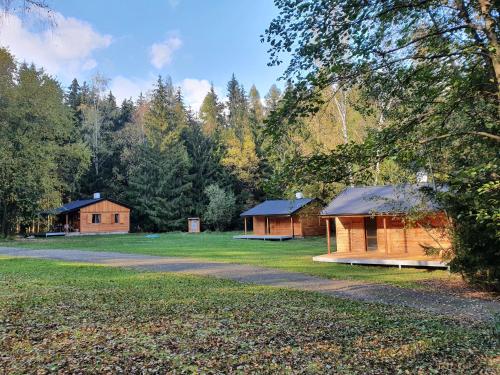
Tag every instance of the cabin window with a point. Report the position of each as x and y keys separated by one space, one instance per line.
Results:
x=96 y=218
x=117 y=218
x=371 y=233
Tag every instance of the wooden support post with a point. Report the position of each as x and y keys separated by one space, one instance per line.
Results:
x=245 y=225
x=291 y=224
x=267 y=226
x=405 y=239
x=385 y=235
x=328 y=241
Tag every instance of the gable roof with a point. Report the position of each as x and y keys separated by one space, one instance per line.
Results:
x=77 y=205
x=278 y=207
x=393 y=199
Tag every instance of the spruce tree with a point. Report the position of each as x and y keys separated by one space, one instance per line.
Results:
x=160 y=181
x=212 y=114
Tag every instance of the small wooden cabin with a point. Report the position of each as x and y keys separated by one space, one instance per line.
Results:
x=292 y=218
x=372 y=221
x=98 y=215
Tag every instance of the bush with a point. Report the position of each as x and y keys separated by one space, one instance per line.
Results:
x=221 y=207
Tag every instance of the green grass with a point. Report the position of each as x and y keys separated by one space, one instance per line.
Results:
x=64 y=318
x=293 y=255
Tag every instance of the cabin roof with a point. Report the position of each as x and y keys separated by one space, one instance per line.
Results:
x=77 y=205
x=372 y=200
x=277 y=207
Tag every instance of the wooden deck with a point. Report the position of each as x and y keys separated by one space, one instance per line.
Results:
x=262 y=237
x=383 y=260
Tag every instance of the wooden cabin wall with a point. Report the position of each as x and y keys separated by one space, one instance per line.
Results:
x=312 y=225
x=394 y=238
x=259 y=225
x=282 y=226
x=107 y=210
x=350 y=233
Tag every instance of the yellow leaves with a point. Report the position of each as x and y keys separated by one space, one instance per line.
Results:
x=241 y=155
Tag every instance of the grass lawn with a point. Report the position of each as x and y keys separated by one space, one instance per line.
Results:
x=61 y=318
x=295 y=255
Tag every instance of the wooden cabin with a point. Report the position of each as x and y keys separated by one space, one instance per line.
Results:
x=373 y=222
x=284 y=218
x=92 y=216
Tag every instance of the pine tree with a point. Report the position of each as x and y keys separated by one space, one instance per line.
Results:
x=212 y=114
x=256 y=117
x=160 y=181
x=206 y=169
x=272 y=98
x=159 y=188
x=73 y=97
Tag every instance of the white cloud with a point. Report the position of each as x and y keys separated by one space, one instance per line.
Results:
x=65 y=49
x=161 y=53
x=126 y=88
x=194 y=91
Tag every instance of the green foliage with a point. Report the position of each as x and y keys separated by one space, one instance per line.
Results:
x=41 y=158
x=159 y=188
x=430 y=71
x=211 y=114
x=221 y=207
x=474 y=202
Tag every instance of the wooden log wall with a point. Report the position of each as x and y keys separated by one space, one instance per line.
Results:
x=393 y=236
x=107 y=210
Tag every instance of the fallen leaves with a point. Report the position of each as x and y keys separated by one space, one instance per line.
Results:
x=65 y=319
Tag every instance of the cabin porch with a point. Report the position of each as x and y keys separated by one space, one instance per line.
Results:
x=262 y=237
x=400 y=260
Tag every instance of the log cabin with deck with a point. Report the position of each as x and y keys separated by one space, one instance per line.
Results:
x=91 y=216
x=283 y=219
x=372 y=225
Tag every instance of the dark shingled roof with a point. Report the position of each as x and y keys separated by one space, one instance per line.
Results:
x=393 y=199
x=77 y=205
x=277 y=207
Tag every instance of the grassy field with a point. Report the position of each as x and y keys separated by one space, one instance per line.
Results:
x=293 y=255
x=59 y=318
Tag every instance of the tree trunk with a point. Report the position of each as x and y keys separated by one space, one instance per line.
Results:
x=342 y=110
x=494 y=44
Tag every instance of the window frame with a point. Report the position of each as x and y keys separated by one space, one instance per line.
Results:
x=96 y=218
x=116 y=218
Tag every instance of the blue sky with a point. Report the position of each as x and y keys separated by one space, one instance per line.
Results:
x=130 y=42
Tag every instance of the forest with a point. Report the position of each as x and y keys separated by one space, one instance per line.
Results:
x=165 y=160
x=414 y=90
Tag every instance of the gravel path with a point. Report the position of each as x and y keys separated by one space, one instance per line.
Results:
x=438 y=303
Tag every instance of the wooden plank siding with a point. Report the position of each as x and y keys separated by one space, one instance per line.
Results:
x=107 y=210
x=259 y=225
x=306 y=222
x=393 y=236
x=312 y=225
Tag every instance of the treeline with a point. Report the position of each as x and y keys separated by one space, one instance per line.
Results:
x=155 y=154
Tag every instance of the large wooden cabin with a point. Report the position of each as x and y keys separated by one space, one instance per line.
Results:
x=286 y=218
x=373 y=222
x=98 y=215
